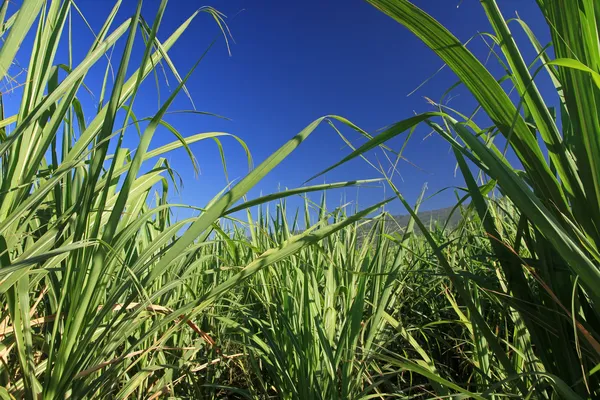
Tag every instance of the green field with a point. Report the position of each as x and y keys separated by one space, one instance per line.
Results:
x=105 y=294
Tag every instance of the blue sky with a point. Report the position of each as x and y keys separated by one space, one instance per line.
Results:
x=293 y=62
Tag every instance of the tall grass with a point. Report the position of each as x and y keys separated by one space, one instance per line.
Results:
x=548 y=254
x=93 y=277
x=105 y=295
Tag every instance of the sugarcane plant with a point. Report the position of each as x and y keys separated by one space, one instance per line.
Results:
x=91 y=258
x=548 y=255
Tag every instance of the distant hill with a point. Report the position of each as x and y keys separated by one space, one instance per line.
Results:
x=429 y=218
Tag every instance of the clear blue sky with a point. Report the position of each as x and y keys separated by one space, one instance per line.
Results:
x=294 y=61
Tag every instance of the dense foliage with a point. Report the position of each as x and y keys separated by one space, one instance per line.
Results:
x=104 y=295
